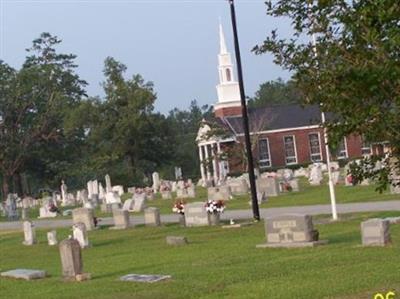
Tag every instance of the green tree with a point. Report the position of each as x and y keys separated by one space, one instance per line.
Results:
x=125 y=137
x=278 y=92
x=185 y=125
x=353 y=71
x=34 y=102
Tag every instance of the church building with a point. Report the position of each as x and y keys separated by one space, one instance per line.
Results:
x=281 y=136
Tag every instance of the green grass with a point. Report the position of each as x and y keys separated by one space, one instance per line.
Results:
x=308 y=195
x=218 y=263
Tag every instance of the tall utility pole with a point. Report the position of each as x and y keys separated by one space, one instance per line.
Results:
x=327 y=150
x=256 y=211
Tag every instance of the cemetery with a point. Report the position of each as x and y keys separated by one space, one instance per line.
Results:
x=195 y=251
x=210 y=261
x=291 y=190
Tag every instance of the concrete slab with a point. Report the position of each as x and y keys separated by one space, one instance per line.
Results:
x=27 y=274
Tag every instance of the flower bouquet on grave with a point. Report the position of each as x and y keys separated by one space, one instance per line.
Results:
x=179 y=208
x=214 y=208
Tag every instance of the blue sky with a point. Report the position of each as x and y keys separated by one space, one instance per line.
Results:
x=173 y=43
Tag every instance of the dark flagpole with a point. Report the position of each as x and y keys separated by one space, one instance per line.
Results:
x=256 y=211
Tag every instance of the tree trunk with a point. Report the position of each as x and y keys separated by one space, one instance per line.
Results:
x=17 y=185
x=6 y=186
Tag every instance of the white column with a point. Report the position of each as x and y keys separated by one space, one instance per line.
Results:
x=215 y=170
x=207 y=167
x=220 y=171
x=203 y=175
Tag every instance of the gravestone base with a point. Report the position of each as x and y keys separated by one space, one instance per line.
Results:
x=78 y=277
x=293 y=244
x=237 y=225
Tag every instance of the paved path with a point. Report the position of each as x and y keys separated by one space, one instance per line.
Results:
x=393 y=205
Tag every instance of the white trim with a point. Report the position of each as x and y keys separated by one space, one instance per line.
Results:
x=295 y=149
x=282 y=130
x=210 y=142
x=365 y=148
x=320 y=147
x=345 y=150
x=229 y=104
x=269 y=153
x=202 y=171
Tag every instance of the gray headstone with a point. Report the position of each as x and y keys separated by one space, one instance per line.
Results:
x=196 y=214
x=291 y=230
x=269 y=186
x=71 y=258
x=27 y=274
x=85 y=216
x=294 y=184
x=121 y=219
x=29 y=233
x=182 y=193
x=238 y=186
x=176 y=240
x=25 y=213
x=152 y=217
x=191 y=192
x=375 y=232
x=219 y=193
x=166 y=194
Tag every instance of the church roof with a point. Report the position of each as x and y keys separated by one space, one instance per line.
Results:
x=277 y=118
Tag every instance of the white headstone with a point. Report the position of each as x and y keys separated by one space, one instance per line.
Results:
x=128 y=204
x=52 y=238
x=102 y=193
x=112 y=197
x=64 y=193
x=80 y=234
x=140 y=202
x=29 y=233
x=156 y=181
x=108 y=183
x=119 y=189
x=315 y=178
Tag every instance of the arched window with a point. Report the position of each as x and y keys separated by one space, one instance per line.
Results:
x=228 y=75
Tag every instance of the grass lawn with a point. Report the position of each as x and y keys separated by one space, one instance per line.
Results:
x=308 y=195
x=218 y=263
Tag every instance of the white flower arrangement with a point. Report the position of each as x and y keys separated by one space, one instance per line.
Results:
x=179 y=207
x=215 y=206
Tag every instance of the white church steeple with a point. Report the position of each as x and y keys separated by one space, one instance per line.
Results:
x=228 y=88
x=222 y=43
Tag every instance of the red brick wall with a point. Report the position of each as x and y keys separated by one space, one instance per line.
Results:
x=229 y=111
x=354 y=144
x=277 y=151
